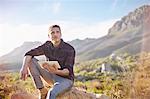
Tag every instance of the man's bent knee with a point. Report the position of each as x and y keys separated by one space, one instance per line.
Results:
x=33 y=67
x=34 y=60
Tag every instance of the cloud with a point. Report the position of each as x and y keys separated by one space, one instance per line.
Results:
x=56 y=7
x=12 y=36
x=73 y=30
x=114 y=4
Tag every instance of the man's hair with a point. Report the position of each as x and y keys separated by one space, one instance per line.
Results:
x=53 y=26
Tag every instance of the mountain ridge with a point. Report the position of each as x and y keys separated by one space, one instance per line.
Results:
x=125 y=36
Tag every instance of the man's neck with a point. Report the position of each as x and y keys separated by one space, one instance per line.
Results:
x=56 y=43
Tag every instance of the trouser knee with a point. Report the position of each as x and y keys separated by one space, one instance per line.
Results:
x=34 y=67
x=34 y=60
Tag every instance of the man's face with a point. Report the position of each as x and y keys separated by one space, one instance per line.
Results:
x=55 y=34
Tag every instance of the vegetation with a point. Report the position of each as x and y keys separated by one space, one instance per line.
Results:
x=141 y=78
x=11 y=83
x=117 y=86
x=88 y=77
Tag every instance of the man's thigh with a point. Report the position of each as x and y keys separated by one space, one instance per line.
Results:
x=47 y=76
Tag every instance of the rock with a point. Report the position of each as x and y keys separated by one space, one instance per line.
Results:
x=101 y=96
x=20 y=95
x=132 y=20
x=80 y=78
x=74 y=93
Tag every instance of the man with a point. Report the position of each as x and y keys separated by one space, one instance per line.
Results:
x=54 y=50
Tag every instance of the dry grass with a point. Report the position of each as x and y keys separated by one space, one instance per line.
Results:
x=140 y=86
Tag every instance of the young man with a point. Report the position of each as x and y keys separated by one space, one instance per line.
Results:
x=54 y=50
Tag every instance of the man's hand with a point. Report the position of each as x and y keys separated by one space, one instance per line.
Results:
x=64 y=72
x=24 y=73
x=50 y=67
x=53 y=69
x=24 y=70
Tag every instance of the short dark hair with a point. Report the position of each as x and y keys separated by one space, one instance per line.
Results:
x=53 y=26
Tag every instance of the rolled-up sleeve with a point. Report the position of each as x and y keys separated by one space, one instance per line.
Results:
x=36 y=51
x=69 y=63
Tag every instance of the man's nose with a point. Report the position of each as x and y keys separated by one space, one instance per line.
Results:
x=55 y=33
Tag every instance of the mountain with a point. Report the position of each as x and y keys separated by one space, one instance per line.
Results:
x=14 y=58
x=125 y=36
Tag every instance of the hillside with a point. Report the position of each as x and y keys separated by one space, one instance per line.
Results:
x=125 y=36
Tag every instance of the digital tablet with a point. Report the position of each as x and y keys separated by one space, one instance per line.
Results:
x=50 y=63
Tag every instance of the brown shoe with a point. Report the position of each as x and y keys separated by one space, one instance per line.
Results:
x=43 y=93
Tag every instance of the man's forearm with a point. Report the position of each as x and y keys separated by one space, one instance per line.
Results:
x=64 y=72
x=26 y=61
x=24 y=69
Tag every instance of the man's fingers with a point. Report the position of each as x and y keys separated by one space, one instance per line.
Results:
x=45 y=65
x=23 y=76
x=24 y=73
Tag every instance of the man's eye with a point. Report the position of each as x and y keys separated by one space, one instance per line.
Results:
x=52 y=32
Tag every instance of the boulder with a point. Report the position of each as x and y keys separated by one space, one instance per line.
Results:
x=74 y=93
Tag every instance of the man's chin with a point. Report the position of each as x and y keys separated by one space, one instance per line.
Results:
x=56 y=40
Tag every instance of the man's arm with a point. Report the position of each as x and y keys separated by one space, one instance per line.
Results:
x=24 y=69
x=64 y=72
x=36 y=51
x=27 y=59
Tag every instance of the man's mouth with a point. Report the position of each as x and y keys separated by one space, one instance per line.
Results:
x=54 y=37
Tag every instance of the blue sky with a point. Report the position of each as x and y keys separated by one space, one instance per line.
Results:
x=28 y=20
x=42 y=11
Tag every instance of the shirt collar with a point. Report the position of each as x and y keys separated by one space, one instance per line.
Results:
x=60 y=45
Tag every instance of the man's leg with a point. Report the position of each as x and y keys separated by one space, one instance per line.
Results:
x=61 y=85
x=36 y=71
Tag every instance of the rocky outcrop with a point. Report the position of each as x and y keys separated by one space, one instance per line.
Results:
x=132 y=20
x=74 y=93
